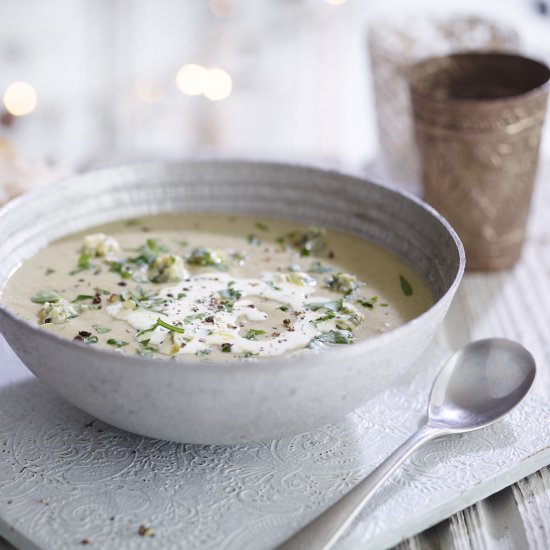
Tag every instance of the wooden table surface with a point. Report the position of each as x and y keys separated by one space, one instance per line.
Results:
x=514 y=304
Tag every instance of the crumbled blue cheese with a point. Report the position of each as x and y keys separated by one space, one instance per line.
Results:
x=99 y=245
x=342 y=282
x=167 y=268
x=57 y=312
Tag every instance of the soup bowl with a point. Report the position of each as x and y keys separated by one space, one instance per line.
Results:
x=210 y=402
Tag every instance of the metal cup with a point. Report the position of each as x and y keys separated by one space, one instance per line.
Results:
x=478 y=120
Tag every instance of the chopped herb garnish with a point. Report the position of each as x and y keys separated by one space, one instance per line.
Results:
x=160 y=323
x=228 y=297
x=116 y=342
x=327 y=317
x=203 y=352
x=49 y=271
x=272 y=285
x=335 y=305
x=181 y=295
x=207 y=258
x=368 y=303
x=132 y=222
x=405 y=286
x=309 y=242
x=90 y=339
x=253 y=333
x=318 y=267
x=384 y=305
x=254 y=239
x=261 y=226
x=45 y=296
x=249 y=355
x=283 y=308
x=101 y=329
x=226 y=347
x=191 y=318
x=332 y=337
x=83 y=264
x=86 y=337
x=83 y=298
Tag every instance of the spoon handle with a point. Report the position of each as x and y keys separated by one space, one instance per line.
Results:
x=325 y=530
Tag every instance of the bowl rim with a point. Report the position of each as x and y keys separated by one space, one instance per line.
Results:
x=267 y=363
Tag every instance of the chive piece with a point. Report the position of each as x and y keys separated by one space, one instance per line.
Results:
x=327 y=317
x=368 y=303
x=45 y=296
x=116 y=342
x=101 y=329
x=92 y=339
x=405 y=286
x=160 y=323
x=83 y=298
x=283 y=308
x=254 y=239
x=384 y=305
x=253 y=333
x=49 y=271
x=226 y=347
x=261 y=226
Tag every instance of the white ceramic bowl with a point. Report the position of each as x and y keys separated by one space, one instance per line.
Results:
x=220 y=403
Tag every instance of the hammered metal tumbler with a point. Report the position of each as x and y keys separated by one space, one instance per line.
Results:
x=478 y=121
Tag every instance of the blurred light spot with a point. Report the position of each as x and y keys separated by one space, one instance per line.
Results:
x=335 y=2
x=217 y=84
x=149 y=92
x=190 y=79
x=20 y=98
x=221 y=8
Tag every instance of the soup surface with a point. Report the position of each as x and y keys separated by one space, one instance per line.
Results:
x=216 y=287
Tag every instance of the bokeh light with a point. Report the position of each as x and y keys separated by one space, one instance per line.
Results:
x=190 y=79
x=20 y=98
x=217 y=84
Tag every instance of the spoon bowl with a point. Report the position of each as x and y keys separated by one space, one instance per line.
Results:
x=479 y=384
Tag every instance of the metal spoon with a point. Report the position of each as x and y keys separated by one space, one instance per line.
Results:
x=477 y=386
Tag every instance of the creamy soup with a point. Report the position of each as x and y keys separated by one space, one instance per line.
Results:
x=217 y=287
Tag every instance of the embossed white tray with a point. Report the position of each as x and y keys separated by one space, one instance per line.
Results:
x=65 y=479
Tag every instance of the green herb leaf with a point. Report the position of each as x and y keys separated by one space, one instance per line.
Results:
x=327 y=317
x=90 y=339
x=83 y=264
x=253 y=333
x=368 y=303
x=283 y=308
x=160 y=323
x=101 y=329
x=335 y=305
x=116 y=342
x=45 y=296
x=405 y=286
x=332 y=337
x=261 y=226
x=191 y=318
x=132 y=222
x=226 y=347
x=83 y=298
x=49 y=271
x=254 y=239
